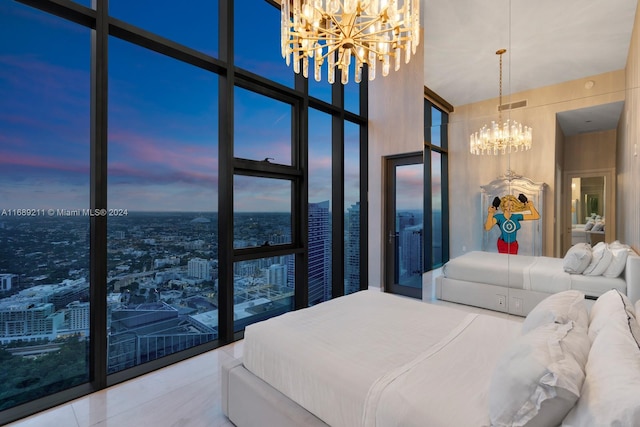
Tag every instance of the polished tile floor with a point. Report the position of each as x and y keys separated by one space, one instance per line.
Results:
x=186 y=394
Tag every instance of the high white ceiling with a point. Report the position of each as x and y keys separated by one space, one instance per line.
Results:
x=547 y=42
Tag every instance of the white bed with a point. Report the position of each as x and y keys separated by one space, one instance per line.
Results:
x=412 y=347
x=375 y=359
x=516 y=283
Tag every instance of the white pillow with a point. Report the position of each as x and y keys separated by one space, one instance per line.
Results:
x=612 y=307
x=610 y=395
x=598 y=226
x=538 y=379
x=600 y=259
x=589 y=225
x=577 y=258
x=618 y=262
x=616 y=244
x=558 y=308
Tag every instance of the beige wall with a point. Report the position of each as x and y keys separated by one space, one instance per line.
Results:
x=396 y=122
x=595 y=150
x=628 y=158
x=467 y=172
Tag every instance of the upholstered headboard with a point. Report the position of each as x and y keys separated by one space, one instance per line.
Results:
x=632 y=276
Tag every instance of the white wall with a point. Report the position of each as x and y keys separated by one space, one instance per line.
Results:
x=628 y=161
x=396 y=122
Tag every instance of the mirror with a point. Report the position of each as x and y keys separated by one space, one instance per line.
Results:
x=589 y=208
x=587 y=200
x=577 y=112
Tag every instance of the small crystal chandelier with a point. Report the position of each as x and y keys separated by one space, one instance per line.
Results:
x=501 y=138
x=339 y=31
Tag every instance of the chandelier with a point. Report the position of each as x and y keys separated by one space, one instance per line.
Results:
x=341 y=31
x=501 y=138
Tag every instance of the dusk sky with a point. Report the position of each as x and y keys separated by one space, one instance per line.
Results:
x=163 y=114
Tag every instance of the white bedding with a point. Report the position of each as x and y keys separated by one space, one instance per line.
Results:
x=370 y=358
x=541 y=274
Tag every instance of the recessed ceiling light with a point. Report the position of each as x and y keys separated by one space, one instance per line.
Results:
x=589 y=84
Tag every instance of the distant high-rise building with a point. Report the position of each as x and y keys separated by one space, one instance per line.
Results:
x=319 y=253
x=23 y=319
x=352 y=249
x=78 y=316
x=5 y=282
x=199 y=268
x=277 y=275
x=411 y=249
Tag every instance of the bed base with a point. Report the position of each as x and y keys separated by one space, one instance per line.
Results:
x=498 y=298
x=520 y=301
x=248 y=401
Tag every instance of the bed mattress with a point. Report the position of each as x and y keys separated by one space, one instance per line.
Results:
x=541 y=274
x=369 y=359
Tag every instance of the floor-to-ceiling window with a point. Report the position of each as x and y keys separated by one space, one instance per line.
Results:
x=165 y=180
x=44 y=187
x=436 y=181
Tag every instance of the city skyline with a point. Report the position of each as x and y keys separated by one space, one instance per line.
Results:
x=163 y=130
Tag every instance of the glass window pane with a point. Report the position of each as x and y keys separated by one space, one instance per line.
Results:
x=261 y=211
x=195 y=26
x=352 y=92
x=322 y=89
x=409 y=224
x=44 y=198
x=436 y=127
x=262 y=288
x=262 y=128
x=436 y=207
x=257 y=41
x=319 y=206
x=162 y=192
x=352 y=246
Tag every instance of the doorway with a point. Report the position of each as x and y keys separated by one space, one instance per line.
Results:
x=588 y=196
x=404 y=222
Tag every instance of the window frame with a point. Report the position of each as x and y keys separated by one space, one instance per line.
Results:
x=229 y=77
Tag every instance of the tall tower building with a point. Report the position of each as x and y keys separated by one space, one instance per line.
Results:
x=277 y=275
x=319 y=253
x=199 y=268
x=78 y=316
x=352 y=249
x=411 y=249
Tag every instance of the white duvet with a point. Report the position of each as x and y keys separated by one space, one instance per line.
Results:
x=541 y=274
x=374 y=359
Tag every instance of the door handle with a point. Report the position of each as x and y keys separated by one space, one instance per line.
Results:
x=392 y=235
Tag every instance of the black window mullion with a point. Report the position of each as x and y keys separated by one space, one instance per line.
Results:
x=98 y=199
x=364 y=181
x=300 y=142
x=225 y=177
x=337 y=212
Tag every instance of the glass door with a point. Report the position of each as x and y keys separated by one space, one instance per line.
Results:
x=404 y=219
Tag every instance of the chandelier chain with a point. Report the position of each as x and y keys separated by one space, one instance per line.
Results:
x=501 y=137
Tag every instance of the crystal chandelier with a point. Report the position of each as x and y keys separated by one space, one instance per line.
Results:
x=340 y=31
x=501 y=138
